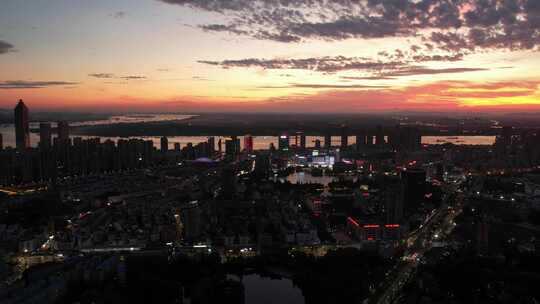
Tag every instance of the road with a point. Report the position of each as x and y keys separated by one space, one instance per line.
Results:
x=439 y=225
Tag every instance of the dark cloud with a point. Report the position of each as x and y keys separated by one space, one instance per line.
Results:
x=5 y=47
x=447 y=24
x=21 y=84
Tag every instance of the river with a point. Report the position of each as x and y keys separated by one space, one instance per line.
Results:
x=259 y=142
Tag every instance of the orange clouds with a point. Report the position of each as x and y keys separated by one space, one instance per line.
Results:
x=445 y=96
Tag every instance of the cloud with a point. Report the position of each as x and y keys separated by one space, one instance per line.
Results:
x=5 y=47
x=319 y=64
x=444 y=96
x=113 y=76
x=388 y=66
x=367 y=77
x=419 y=70
x=102 y=75
x=322 y=86
x=132 y=77
x=446 y=24
x=119 y=14
x=21 y=84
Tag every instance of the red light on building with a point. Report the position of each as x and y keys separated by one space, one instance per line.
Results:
x=391 y=225
x=371 y=226
x=370 y=239
x=352 y=221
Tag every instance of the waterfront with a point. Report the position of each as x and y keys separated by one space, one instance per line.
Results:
x=259 y=142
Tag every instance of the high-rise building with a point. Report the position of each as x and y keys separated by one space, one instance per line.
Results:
x=283 y=143
x=177 y=147
x=22 y=126
x=191 y=219
x=248 y=143
x=164 y=144
x=379 y=136
x=45 y=135
x=393 y=204
x=212 y=144
x=63 y=131
x=232 y=147
x=414 y=188
x=302 y=140
x=1 y=142
x=360 y=141
x=317 y=144
x=328 y=141
x=406 y=138
x=344 y=137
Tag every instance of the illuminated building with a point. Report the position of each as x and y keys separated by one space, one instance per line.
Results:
x=22 y=126
x=283 y=143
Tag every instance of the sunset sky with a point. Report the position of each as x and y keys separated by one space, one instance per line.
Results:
x=271 y=56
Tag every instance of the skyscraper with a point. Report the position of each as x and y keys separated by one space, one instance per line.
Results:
x=414 y=188
x=212 y=144
x=328 y=141
x=360 y=141
x=1 y=142
x=248 y=143
x=302 y=140
x=22 y=128
x=379 y=136
x=45 y=135
x=63 y=132
x=283 y=143
x=232 y=147
x=344 y=137
x=164 y=144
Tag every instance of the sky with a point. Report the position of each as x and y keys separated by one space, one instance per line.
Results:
x=305 y=56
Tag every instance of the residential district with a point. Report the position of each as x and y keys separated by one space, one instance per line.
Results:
x=385 y=219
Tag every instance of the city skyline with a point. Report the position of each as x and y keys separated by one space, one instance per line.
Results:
x=271 y=56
